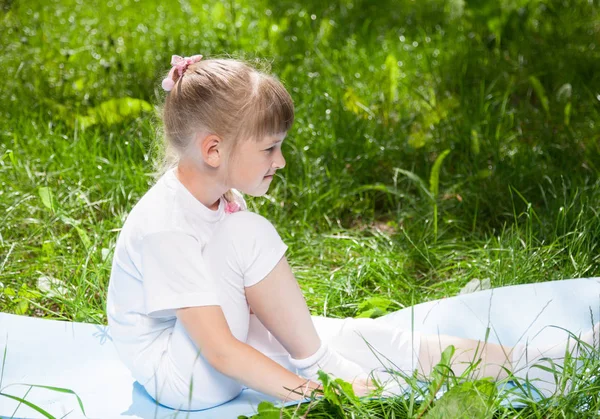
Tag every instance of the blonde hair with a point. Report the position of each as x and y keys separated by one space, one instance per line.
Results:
x=225 y=97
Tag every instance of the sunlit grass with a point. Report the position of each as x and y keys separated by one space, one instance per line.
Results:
x=446 y=395
x=382 y=90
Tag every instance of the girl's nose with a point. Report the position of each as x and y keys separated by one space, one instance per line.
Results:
x=279 y=161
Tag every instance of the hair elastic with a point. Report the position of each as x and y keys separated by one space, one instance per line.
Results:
x=180 y=64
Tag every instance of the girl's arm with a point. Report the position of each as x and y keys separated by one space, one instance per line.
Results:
x=210 y=332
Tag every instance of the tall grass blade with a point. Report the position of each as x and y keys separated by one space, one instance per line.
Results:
x=57 y=389
x=415 y=178
x=434 y=185
x=541 y=93
x=29 y=404
x=434 y=177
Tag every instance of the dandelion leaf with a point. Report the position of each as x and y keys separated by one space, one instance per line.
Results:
x=47 y=198
x=472 y=399
x=113 y=111
x=374 y=307
x=266 y=410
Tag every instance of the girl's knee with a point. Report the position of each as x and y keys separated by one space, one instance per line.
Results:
x=246 y=224
x=248 y=243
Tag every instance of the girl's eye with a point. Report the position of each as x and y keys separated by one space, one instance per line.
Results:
x=270 y=149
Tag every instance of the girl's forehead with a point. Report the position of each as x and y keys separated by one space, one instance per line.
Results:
x=275 y=138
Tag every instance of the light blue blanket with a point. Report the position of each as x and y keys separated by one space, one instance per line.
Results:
x=81 y=356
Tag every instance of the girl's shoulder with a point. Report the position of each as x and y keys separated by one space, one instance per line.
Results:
x=169 y=206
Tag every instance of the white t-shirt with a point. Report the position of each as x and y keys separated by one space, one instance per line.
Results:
x=158 y=268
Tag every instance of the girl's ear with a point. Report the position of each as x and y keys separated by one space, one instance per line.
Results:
x=211 y=149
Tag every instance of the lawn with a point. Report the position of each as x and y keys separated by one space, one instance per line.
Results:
x=435 y=142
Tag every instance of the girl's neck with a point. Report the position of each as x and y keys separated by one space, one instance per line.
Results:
x=203 y=185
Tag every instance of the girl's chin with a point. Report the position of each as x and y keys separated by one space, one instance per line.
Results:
x=256 y=192
x=260 y=189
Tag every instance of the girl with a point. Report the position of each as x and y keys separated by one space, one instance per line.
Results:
x=202 y=301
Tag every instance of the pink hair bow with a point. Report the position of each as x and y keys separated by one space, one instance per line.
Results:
x=180 y=64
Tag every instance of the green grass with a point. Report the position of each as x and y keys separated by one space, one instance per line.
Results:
x=382 y=90
x=450 y=396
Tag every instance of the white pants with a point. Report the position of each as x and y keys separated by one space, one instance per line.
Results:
x=246 y=242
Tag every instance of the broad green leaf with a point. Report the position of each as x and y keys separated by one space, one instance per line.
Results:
x=85 y=121
x=447 y=355
x=471 y=399
x=439 y=376
x=355 y=104
x=47 y=198
x=373 y=307
x=28 y=293
x=329 y=389
x=442 y=369
x=22 y=306
x=346 y=389
x=376 y=301
x=85 y=239
x=267 y=410
x=9 y=291
x=114 y=111
x=371 y=313
x=336 y=391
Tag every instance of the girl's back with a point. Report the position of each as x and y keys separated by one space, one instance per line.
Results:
x=166 y=224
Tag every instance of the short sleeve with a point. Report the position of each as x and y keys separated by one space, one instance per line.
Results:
x=174 y=274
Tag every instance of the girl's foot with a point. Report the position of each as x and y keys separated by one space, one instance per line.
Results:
x=543 y=366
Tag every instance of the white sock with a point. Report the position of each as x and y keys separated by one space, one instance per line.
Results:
x=331 y=362
x=526 y=360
